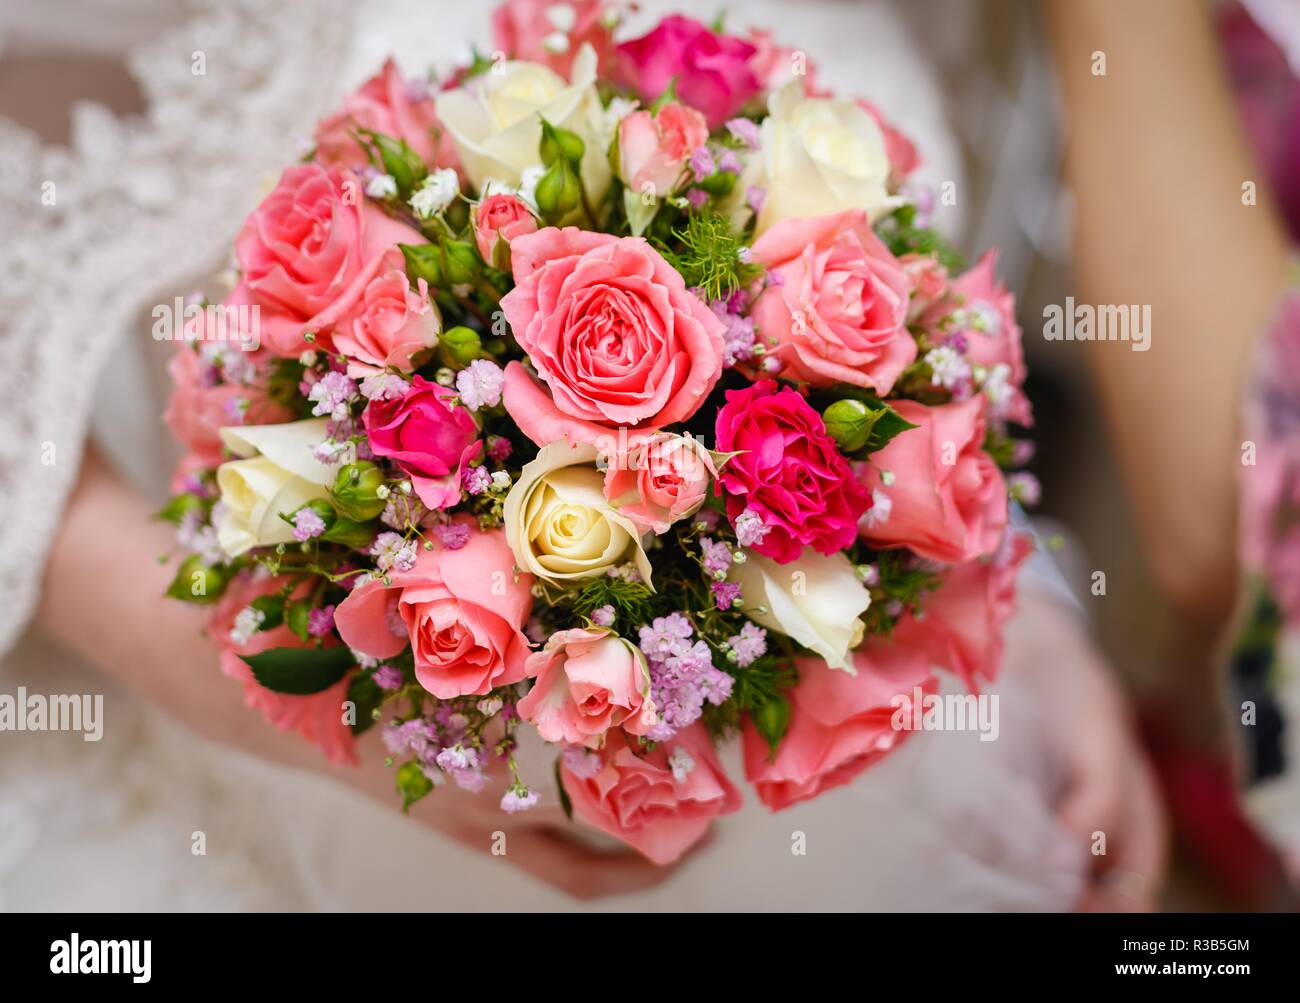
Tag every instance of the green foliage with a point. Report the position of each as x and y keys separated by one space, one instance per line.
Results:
x=902 y=236
x=758 y=690
x=634 y=603
x=300 y=671
x=708 y=256
x=366 y=695
x=901 y=580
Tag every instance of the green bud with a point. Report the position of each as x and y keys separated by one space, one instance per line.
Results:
x=349 y=533
x=197 y=582
x=356 y=491
x=849 y=423
x=412 y=784
x=462 y=261
x=560 y=144
x=423 y=261
x=459 y=346
x=559 y=192
x=399 y=160
x=772 y=719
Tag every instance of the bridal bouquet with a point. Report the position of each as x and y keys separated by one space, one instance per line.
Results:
x=613 y=389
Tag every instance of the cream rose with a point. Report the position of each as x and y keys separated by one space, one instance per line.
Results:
x=495 y=120
x=820 y=156
x=559 y=524
x=816 y=601
x=278 y=474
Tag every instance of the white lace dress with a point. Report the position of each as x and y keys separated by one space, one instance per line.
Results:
x=142 y=211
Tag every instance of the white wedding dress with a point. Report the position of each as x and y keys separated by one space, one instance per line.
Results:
x=146 y=209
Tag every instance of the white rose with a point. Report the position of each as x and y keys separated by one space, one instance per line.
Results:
x=280 y=474
x=495 y=120
x=559 y=524
x=821 y=155
x=816 y=600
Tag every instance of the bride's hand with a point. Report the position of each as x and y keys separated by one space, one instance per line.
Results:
x=103 y=600
x=1108 y=785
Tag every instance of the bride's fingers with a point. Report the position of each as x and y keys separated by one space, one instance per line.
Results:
x=585 y=874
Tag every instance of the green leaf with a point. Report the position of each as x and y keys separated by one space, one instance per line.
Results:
x=178 y=507
x=366 y=695
x=300 y=671
x=298 y=617
x=412 y=784
x=272 y=610
x=565 y=802
x=197 y=582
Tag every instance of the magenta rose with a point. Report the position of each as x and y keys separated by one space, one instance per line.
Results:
x=543 y=31
x=788 y=471
x=389 y=104
x=837 y=310
x=312 y=241
x=946 y=498
x=426 y=435
x=622 y=345
x=713 y=72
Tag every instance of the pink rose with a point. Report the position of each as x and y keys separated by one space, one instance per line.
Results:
x=788 y=471
x=587 y=682
x=386 y=325
x=988 y=312
x=662 y=480
x=838 y=310
x=839 y=724
x=654 y=147
x=947 y=501
x=713 y=72
x=427 y=436
x=774 y=65
x=901 y=151
x=961 y=629
x=312 y=241
x=500 y=218
x=462 y=612
x=532 y=30
x=389 y=104
x=318 y=717
x=637 y=797
x=614 y=334
x=199 y=407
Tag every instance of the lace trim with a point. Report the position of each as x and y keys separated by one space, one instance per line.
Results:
x=139 y=207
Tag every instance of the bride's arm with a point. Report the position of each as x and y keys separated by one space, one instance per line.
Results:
x=1156 y=161
x=103 y=600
